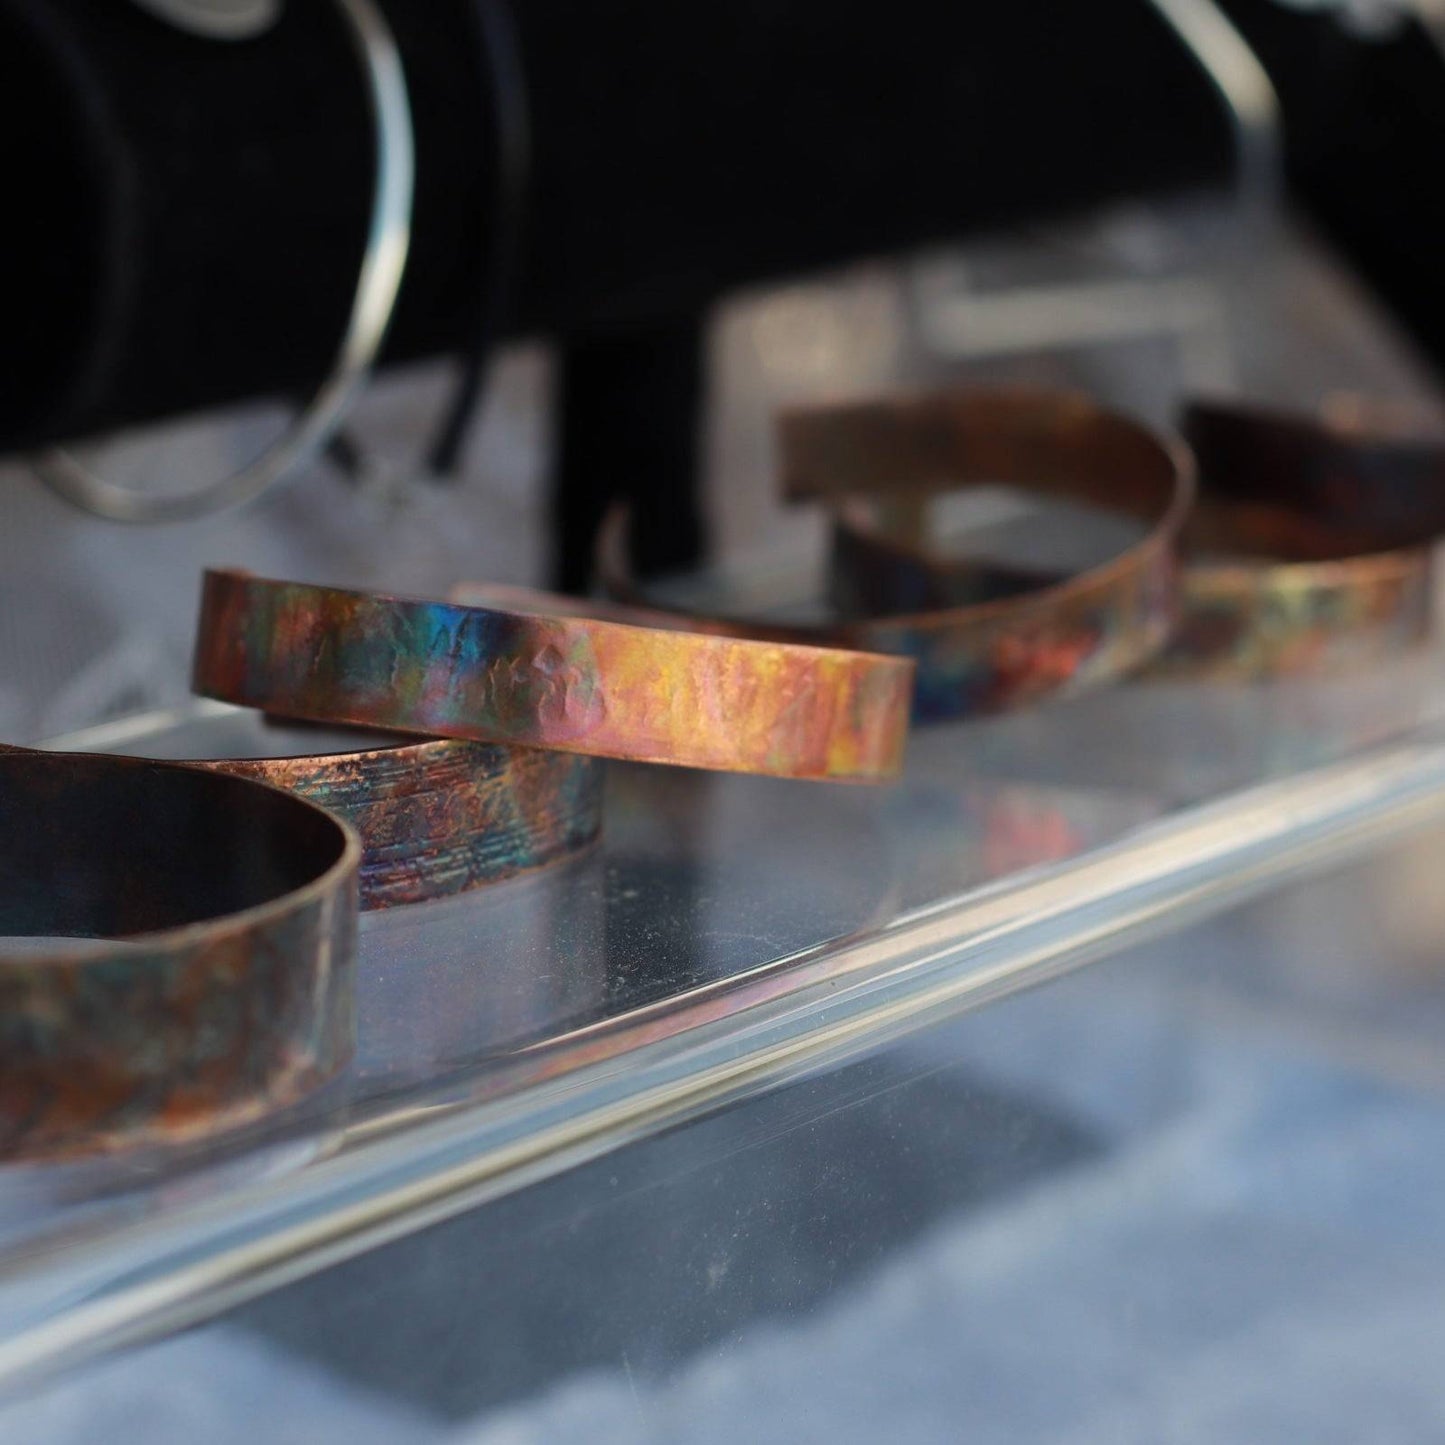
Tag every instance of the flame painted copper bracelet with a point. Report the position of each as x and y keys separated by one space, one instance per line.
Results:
x=1309 y=547
x=1312 y=546
x=441 y=817
x=435 y=817
x=176 y=951
x=550 y=680
x=878 y=462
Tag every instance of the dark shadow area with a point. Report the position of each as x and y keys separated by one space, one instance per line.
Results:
x=654 y=1253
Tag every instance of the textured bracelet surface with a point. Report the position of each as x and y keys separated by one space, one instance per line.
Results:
x=551 y=680
x=441 y=817
x=1312 y=547
x=878 y=462
x=176 y=951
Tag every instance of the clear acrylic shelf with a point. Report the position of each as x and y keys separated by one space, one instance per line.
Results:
x=728 y=935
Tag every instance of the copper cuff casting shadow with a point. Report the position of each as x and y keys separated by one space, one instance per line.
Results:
x=176 y=951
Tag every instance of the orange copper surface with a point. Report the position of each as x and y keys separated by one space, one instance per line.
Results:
x=546 y=679
x=1312 y=547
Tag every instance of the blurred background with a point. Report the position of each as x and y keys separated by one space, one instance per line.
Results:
x=635 y=231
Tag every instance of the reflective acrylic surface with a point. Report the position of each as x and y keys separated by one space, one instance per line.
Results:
x=727 y=935
x=1192 y=1192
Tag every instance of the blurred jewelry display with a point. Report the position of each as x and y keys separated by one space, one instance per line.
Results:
x=1311 y=547
x=1308 y=546
x=984 y=640
x=435 y=817
x=442 y=817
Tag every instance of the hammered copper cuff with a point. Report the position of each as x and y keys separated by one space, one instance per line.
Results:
x=176 y=951
x=550 y=680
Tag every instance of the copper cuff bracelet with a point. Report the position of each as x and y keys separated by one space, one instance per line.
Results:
x=442 y=817
x=877 y=462
x=1312 y=546
x=551 y=680
x=1372 y=468
x=435 y=817
x=1308 y=549
x=177 y=955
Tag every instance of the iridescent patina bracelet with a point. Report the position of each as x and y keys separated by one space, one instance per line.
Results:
x=435 y=817
x=1312 y=546
x=441 y=817
x=985 y=639
x=1309 y=546
x=545 y=679
x=176 y=951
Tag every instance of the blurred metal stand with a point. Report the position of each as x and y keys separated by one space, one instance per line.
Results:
x=960 y=320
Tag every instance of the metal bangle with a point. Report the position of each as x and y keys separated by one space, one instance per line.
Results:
x=984 y=639
x=176 y=951
x=547 y=679
x=379 y=281
x=216 y=19
x=1372 y=468
x=1308 y=547
x=1312 y=547
x=435 y=817
x=441 y=817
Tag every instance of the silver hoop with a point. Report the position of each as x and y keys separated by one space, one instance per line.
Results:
x=388 y=239
x=217 y=19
